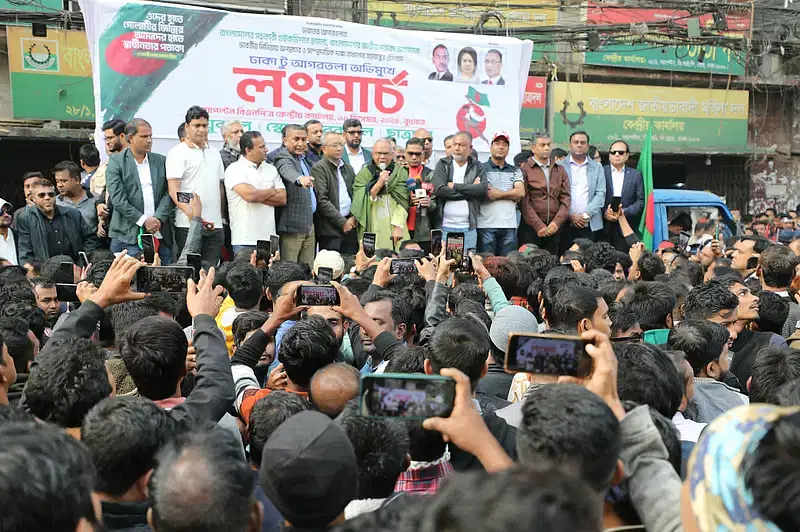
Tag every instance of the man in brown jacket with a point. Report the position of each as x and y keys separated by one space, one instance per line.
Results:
x=545 y=206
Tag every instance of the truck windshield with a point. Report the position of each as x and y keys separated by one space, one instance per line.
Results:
x=701 y=222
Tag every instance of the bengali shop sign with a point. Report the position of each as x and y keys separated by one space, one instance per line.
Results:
x=685 y=120
x=531 y=118
x=155 y=60
x=656 y=52
x=436 y=14
x=51 y=76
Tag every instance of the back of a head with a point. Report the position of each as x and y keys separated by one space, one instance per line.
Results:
x=653 y=303
x=601 y=256
x=772 y=368
x=201 y=484
x=701 y=340
x=280 y=273
x=154 y=351
x=505 y=273
x=650 y=265
x=462 y=344
x=708 y=299
x=69 y=378
x=772 y=312
x=33 y=316
x=125 y=315
x=46 y=479
x=246 y=322
x=571 y=305
x=568 y=424
x=537 y=498
x=307 y=347
x=646 y=375
x=243 y=282
x=268 y=414
x=556 y=279
x=465 y=291
x=51 y=266
x=123 y=435
x=778 y=266
x=14 y=332
x=332 y=387
x=381 y=446
x=772 y=473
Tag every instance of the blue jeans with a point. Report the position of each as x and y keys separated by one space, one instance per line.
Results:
x=470 y=237
x=499 y=242
x=164 y=251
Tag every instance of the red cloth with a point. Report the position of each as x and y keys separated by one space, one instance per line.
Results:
x=425 y=480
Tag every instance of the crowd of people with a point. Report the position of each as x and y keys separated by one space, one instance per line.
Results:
x=230 y=406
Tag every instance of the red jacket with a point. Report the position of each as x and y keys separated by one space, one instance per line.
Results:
x=541 y=206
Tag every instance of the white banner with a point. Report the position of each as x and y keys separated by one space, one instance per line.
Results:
x=154 y=61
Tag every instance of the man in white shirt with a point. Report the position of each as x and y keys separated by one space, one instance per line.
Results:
x=137 y=187
x=627 y=184
x=587 y=190
x=254 y=189
x=195 y=167
x=8 y=246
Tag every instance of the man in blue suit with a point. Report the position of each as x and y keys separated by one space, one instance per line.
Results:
x=626 y=183
x=588 y=192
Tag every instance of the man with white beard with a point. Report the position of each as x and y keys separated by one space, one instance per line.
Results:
x=231 y=132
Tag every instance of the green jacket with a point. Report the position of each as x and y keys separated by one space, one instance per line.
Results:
x=125 y=191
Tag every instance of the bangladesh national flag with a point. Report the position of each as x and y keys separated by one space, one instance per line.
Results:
x=478 y=98
x=647 y=224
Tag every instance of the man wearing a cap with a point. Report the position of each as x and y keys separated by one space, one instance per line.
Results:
x=309 y=445
x=8 y=245
x=327 y=258
x=587 y=191
x=497 y=221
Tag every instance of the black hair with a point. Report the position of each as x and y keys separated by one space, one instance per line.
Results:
x=243 y=282
x=401 y=306
x=568 y=424
x=182 y=131
x=556 y=152
x=708 y=299
x=212 y=491
x=415 y=141
x=307 y=347
x=246 y=322
x=246 y=142
x=14 y=334
x=627 y=147
x=772 y=473
x=310 y=123
x=647 y=376
x=464 y=291
x=703 y=341
x=71 y=168
x=772 y=368
x=650 y=265
x=537 y=497
x=123 y=435
x=195 y=112
x=33 y=316
x=505 y=273
x=267 y=415
x=601 y=255
x=381 y=446
x=668 y=432
x=357 y=286
x=462 y=344
x=89 y=154
x=772 y=312
x=132 y=127
x=788 y=394
x=777 y=266
x=127 y=314
x=571 y=305
x=98 y=271
x=116 y=125
x=556 y=279
x=154 y=351
x=610 y=290
x=760 y=244
x=351 y=122
x=163 y=302
x=622 y=318
x=580 y=132
x=68 y=379
x=280 y=273
x=51 y=266
x=46 y=479
x=12 y=414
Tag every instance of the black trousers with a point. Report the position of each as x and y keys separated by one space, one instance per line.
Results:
x=527 y=235
x=345 y=244
x=569 y=233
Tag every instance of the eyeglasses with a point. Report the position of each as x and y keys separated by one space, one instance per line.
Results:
x=355 y=132
x=427 y=139
x=414 y=153
x=335 y=145
x=617 y=152
x=46 y=194
x=379 y=153
x=7 y=209
x=634 y=338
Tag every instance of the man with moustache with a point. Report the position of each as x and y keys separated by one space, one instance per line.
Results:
x=232 y=131
x=314 y=140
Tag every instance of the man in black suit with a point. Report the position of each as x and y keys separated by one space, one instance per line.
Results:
x=627 y=183
x=441 y=60
x=493 y=65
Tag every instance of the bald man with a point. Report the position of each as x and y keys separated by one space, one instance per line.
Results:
x=427 y=151
x=332 y=386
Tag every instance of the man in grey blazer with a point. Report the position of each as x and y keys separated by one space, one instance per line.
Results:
x=136 y=180
x=588 y=192
x=296 y=219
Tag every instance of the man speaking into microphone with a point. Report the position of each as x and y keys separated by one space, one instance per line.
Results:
x=422 y=216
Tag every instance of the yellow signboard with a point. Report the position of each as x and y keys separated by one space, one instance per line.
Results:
x=61 y=53
x=439 y=13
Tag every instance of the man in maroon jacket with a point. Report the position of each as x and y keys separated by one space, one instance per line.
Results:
x=545 y=206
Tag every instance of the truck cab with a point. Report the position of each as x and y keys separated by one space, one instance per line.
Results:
x=669 y=203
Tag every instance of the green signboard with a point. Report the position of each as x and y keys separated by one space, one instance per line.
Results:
x=713 y=59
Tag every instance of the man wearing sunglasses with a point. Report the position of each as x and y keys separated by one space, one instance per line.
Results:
x=46 y=230
x=8 y=246
x=427 y=139
x=626 y=183
x=354 y=155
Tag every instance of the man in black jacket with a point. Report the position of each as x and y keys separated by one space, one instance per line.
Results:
x=46 y=230
x=333 y=185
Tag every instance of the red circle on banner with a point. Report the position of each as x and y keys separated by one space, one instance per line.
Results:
x=472 y=119
x=122 y=60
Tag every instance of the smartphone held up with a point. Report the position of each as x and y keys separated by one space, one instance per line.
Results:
x=406 y=395
x=547 y=354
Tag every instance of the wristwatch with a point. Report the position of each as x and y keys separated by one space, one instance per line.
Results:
x=586 y=216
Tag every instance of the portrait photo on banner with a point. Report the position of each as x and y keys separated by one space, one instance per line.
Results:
x=466 y=64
